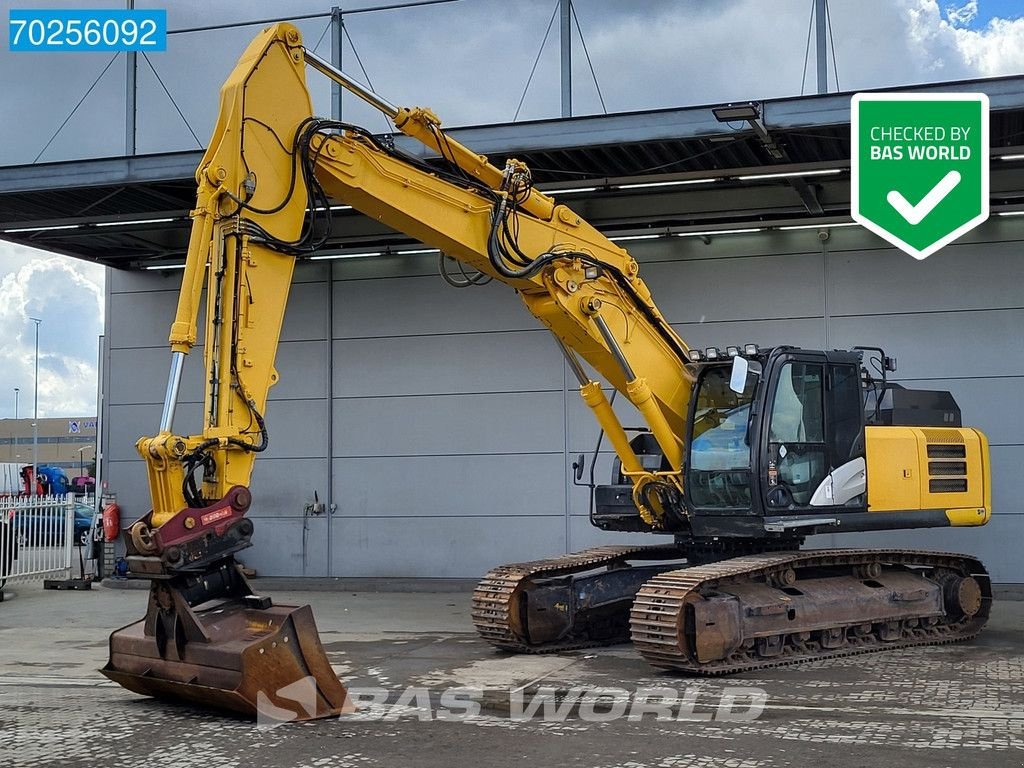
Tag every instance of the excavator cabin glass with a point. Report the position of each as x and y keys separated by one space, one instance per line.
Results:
x=720 y=456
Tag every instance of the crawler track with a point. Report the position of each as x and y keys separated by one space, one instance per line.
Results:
x=497 y=598
x=665 y=633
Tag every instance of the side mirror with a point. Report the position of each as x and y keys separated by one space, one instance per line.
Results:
x=741 y=368
x=577 y=467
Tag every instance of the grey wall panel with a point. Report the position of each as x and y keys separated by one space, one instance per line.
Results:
x=302 y=366
x=423 y=305
x=942 y=344
x=281 y=487
x=466 y=363
x=298 y=429
x=1007 y=495
x=127 y=479
x=305 y=316
x=450 y=486
x=139 y=375
x=462 y=547
x=738 y=288
x=808 y=332
x=449 y=424
x=889 y=281
x=147 y=318
x=288 y=547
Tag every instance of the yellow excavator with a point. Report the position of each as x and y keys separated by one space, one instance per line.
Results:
x=744 y=452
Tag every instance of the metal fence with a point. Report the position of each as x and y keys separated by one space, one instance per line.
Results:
x=38 y=535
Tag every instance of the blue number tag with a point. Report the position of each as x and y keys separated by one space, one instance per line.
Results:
x=80 y=30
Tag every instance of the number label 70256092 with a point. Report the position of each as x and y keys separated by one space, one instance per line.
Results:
x=87 y=30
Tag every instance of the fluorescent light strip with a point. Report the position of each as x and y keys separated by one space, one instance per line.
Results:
x=719 y=232
x=161 y=267
x=569 y=191
x=341 y=207
x=822 y=226
x=1011 y=157
x=43 y=229
x=415 y=251
x=129 y=223
x=623 y=238
x=346 y=255
x=1009 y=213
x=788 y=174
x=678 y=183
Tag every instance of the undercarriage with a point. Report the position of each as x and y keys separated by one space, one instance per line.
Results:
x=686 y=611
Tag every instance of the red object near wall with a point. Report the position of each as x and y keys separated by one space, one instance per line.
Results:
x=111 y=522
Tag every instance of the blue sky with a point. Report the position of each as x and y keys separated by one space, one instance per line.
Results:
x=646 y=53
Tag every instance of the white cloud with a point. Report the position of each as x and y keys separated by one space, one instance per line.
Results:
x=962 y=15
x=67 y=295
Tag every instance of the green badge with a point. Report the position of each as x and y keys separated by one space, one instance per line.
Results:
x=919 y=166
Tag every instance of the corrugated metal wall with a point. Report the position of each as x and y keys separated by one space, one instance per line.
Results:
x=451 y=422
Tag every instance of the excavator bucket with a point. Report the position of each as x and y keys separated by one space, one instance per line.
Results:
x=242 y=654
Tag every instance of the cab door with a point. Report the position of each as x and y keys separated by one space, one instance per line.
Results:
x=812 y=434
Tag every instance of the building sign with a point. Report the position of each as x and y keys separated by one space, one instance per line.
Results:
x=77 y=426
x=920 y=166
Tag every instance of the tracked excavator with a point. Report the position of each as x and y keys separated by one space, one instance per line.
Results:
x=743 y=453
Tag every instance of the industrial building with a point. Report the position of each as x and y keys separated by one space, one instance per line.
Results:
x=68 y=443
x=438 y=426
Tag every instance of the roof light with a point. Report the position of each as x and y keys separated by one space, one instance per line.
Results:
x=732 y=351
x=712 y=353
x=788 y=174
x=359 y=255
x=821 y=226
x=130 y=223
x=694 y=355
x=704 y=233
x=677 y=183
x=43 y=229
x=750 y=349
x=571 y=191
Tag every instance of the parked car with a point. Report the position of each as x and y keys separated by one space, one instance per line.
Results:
x=44 y=526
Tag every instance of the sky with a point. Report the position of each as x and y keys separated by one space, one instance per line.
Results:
x=468 y=60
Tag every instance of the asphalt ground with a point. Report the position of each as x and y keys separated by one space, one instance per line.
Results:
x=432 y=694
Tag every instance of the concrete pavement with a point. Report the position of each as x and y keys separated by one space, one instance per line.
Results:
x=959 y=705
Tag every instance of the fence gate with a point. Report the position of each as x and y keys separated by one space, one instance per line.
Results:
x=37 y=537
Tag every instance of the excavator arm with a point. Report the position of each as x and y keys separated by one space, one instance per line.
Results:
x=264 y=190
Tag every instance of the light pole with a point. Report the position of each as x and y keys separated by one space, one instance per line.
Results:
x=35 y=415
x=16 y=391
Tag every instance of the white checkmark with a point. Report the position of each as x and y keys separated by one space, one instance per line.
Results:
x=915 y=213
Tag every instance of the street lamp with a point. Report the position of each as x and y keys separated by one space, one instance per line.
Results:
x=16 y=391
x=35 y=415
x=81 y=459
